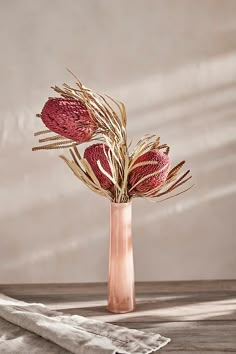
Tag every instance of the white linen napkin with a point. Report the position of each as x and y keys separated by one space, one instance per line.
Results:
x=35 y=329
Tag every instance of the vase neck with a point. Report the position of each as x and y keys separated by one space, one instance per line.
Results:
x=121 y=220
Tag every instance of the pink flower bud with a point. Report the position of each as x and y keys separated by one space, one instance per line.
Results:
x=95 y=153
x=68 y=118
x=137 y=173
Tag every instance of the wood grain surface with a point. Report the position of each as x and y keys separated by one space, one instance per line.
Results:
x=198 y=316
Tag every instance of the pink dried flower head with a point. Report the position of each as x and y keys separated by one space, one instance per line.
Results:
x=137 y=173
x=69 y=118
x=95 y=153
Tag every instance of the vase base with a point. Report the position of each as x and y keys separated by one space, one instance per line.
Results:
x=117 y=311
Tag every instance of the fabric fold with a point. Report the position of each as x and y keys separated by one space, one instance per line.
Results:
x=76 y=334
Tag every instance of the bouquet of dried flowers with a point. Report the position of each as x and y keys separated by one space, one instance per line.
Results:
x=111 y=168
x=107 y=167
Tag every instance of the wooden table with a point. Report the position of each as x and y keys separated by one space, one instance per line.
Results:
x=198 y=316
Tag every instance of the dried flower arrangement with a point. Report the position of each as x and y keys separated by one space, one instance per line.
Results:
x=107 y=166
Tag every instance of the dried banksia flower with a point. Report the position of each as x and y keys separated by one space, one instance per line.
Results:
x=68 y=118
x=149 y=171
x=96 y=155
x=108 y=168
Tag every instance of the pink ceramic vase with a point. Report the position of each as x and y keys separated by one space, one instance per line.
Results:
x=121 y=288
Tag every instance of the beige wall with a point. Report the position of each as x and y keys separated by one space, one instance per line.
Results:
x=173 y=63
